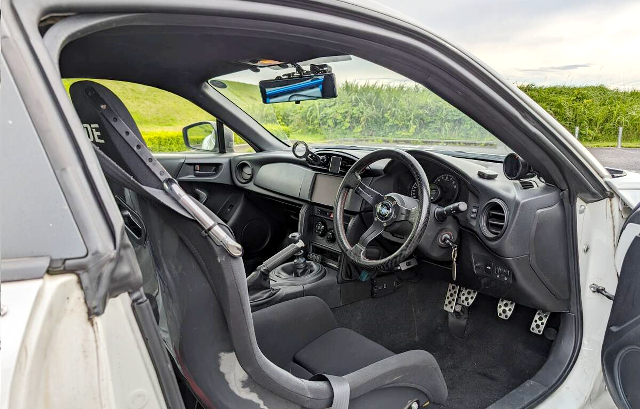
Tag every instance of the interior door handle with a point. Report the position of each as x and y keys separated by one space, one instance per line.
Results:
x=205 y=170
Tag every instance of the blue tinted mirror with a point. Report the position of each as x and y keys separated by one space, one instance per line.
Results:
x=298 y=88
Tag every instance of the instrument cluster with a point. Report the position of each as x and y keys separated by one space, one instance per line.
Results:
x=443 y=189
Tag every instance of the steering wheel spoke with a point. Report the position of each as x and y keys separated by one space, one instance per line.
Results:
x=367 y=193
x=372 y=232
x=410 y=214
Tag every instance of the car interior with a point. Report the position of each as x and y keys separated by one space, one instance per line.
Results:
x=414 y=275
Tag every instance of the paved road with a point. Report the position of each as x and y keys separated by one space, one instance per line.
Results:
x=625 y=158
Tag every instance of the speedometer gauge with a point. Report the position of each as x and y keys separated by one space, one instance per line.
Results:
x=444 y=189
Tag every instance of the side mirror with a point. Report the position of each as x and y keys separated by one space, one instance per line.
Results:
x=203 y=136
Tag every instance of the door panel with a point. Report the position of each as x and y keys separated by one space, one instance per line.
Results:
x=259 y=224
x=621 y=347
x=172 y=162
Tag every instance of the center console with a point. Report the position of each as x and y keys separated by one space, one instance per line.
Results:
x=317 y=257
x=319 y=232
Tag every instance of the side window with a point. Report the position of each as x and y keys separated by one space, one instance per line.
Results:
x=161 y=117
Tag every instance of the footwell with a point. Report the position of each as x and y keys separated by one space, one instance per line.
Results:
x=495 y=356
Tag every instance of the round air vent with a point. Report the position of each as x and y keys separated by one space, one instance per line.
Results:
x=494 y=218
x=244 y=172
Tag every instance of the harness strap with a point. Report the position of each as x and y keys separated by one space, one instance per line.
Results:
x=122 y=178
x=186 y=202
x=341 y=390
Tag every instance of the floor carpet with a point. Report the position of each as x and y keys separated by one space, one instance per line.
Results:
x=495 y=356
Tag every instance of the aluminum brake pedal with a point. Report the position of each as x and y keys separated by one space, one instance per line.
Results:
x=451 y=297
x=505 y=308
x=466 y=296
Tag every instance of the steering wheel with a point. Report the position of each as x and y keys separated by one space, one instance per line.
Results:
x=388 y=211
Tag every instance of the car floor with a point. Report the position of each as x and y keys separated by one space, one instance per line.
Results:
x=495 y=356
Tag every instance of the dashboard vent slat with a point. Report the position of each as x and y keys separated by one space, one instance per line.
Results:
x=528 y=184
x=493 y=222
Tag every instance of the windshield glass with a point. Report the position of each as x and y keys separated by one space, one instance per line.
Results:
x=374 y=107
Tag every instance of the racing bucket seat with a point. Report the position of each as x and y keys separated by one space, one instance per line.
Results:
x=289 y=355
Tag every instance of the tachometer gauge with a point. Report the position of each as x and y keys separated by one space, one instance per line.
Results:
x=434 y=191
x=448 y=187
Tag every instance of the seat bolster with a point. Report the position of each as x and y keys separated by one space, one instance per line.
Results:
x=285 y=328
x=415 y=369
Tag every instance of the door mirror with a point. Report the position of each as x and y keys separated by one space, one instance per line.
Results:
x=201 y=136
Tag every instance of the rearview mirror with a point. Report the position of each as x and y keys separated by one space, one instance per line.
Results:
x=203 y=136
x=298 y=88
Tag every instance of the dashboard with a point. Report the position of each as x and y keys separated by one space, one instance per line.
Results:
x=512 y=239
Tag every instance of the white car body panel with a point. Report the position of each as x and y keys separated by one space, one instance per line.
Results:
x=66 y=360
x=627 y=187
x=17 y=302
x=584 y=387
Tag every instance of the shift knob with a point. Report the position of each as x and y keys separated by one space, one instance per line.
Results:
x=300 y=263
x=294 y=238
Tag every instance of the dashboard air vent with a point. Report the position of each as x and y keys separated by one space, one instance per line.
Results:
x=244 y=172
x=528 y=184
x=346 y=164
x=493 y=222
x=326 y=161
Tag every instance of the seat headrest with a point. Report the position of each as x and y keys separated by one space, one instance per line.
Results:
x=104 y=136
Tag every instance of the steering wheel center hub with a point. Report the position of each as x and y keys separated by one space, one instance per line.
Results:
x=385 y=210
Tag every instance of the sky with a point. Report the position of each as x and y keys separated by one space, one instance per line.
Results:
x=543 y=42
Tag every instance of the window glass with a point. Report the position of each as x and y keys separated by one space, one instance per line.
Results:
x=161 y=115
x=374 y=107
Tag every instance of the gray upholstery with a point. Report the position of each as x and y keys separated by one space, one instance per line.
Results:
x=302 y=337
x=339 y=352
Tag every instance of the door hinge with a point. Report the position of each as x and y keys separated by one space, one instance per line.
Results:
x=600 y=290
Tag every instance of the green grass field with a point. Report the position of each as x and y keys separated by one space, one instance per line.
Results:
x=369 y=110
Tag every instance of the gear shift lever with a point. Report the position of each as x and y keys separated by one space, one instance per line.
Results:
x=259 y=279
x=300 y=263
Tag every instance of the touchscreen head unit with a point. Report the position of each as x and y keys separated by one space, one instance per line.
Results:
x=325 y=189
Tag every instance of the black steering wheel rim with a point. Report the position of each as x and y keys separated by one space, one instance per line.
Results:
x=393 y=204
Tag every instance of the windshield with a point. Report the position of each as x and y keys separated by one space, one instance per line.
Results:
x=374 y=107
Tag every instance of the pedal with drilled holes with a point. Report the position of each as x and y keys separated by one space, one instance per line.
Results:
x=505 y=308
x=466 y=296
x=451 y=297
x=539 y=322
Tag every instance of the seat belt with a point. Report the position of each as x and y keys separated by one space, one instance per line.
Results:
x=122 y=178
x=171 y=186
x=341 y=390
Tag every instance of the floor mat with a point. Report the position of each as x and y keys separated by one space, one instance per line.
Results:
x=495 y=356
